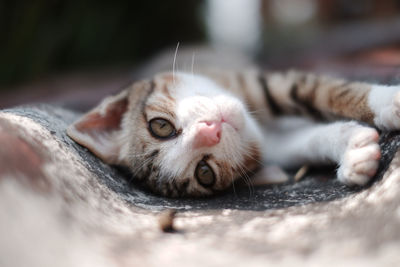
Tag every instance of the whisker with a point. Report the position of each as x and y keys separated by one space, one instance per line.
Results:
x=174 y=62
x=247 y=152
x=136 y=170
x=244 y=171
x=233 y=186
x=224 y=152
x=242 y=175
x=136 y=155
x=247 y=180
x=193 y=63
x=257 y=111
x=143 y=162
x=256 y=160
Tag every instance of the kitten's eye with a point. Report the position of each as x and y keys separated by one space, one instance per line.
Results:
x=204 y=174
x=161 y=128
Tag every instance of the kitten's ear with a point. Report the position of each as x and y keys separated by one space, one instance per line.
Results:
x=99 y=129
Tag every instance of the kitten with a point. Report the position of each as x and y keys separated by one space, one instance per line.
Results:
x=191 y=135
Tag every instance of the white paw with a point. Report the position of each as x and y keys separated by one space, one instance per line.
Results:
x=385 y=102
x=270 y=174
x=361 y=158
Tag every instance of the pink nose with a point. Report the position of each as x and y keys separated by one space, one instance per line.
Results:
x=208 y=134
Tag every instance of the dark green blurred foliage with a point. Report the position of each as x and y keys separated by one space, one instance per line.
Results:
x=41 y=36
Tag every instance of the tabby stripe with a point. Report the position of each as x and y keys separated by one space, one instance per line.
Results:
x=146 y=173
x=359 y=100
x=146 y=98
x=167 y=93
x=272 y=104
x=306 y=104
x=153 y=154
x=160 y=109
x=183 y=187
x=174 y=184
x=172 y=187
x=166 y=187
x=343 y=93
x=243 y=86
x=150 y=168
x=335 y=93
x=152 y=181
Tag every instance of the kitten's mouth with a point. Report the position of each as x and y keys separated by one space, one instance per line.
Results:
x=230 y=124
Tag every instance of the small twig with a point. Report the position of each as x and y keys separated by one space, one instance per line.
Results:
x=301 y=173
x=166 y=221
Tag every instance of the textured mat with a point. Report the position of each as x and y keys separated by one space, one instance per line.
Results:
x=56 y=196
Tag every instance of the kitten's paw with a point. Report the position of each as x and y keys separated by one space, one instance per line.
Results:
x=385 y=102
x=361 y=158
x=270 y=174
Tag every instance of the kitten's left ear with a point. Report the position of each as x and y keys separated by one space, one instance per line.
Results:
x=99 y=129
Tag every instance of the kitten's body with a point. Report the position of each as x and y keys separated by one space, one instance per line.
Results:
x=227 y=122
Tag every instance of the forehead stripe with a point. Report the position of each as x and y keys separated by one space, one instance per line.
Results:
x=161 y=109
x=146 y=98
x=167 y=93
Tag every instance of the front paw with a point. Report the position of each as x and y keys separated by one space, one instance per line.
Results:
x=361 y=158
x=385 y=103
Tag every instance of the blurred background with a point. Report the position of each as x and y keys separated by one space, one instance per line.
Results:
x=74 y=52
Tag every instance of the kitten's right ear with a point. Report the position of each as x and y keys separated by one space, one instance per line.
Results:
x=99 y=129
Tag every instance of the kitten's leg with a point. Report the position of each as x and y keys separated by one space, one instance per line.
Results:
x=384 y=101
x=352 y=146
x=327 y=98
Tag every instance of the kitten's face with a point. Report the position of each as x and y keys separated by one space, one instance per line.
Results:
x=189 y=137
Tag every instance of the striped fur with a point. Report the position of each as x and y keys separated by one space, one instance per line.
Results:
x=251 y=100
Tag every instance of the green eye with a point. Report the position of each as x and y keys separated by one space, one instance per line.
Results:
x=204 y=174
x=161 y=128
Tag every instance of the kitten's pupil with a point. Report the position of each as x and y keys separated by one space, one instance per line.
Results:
x=161 y=128
x=204 y=174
